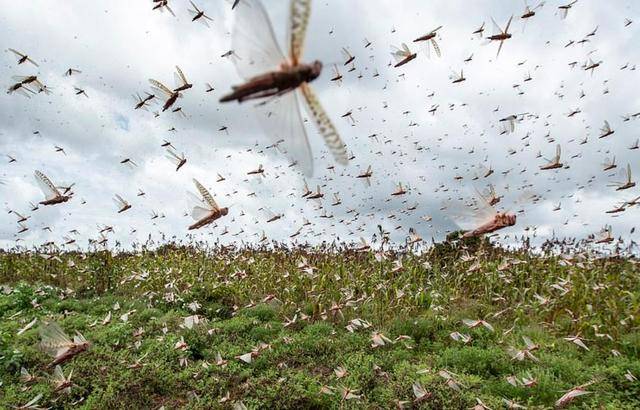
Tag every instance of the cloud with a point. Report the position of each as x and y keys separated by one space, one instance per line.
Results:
x=118 y=47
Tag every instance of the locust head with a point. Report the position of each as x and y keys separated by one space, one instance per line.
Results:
x=508 y=219
x=316 y=69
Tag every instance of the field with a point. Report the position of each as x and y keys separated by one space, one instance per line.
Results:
x=324 y=328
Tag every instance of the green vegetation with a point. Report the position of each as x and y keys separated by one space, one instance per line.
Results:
x=310 y=317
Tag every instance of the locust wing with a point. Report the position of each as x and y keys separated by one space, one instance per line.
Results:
x=160 y=88
x=199 y=209
x=282 y=120
x=436 y=48
x=180 y=77
x=556 y=159
x=45 y=184
x=325 y=126
x=206 y=195
x=471 y=214
x=298 y=20
x=253 y=41
x=54 y=340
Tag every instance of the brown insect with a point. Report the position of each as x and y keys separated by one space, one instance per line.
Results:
x=56 y=343
x=142 y=102
x=564 y=9
x=170 y=95
x=499 y=221
x=205 y=210
x=61 y=382
x=628 y=183
x=268 y=73
x=23 y=84
x=121 y=204
x=499 y=34
x=529 y=11
x=606 y=130
x=605 y=235
x=457 y=78
x=555 y=162
x=400 y=190
x=402 y=56
x=161 y=5
x=178 y=159
x=51 y=192
x=366 y=175
x=23 y=58
x=479 y=30
x=487 y=219
x=430 y=38
x=257 y=171
x=572 y=394
x=316 y=195
x=199 y=14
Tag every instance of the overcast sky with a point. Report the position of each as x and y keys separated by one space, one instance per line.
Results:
x=119 y=45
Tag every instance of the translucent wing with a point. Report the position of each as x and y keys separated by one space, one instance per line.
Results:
x=206 y=195
x=165 y=5
x=118 y=201
x=428 y=49
x=268 y=213
x=16 y=52
x=469 y=322
x=482 y=205
x=198 y=207
x=298 y=20
x=496 y=27
x=181 y=79
x=506 y=29
x=254 y=40
x=471 y=215
x=558 y=152
x=398 y=54
x=19 y=78
x=528 y=342
x=419 y=391
x=27 y=327
x=50 y=190
x=347 y=55
x=325 y=126
x=173 y=156
x=33 y=401
x=58 y=375
x=564 y=12
x=488 y=192
x=436 y=47
x=282 y=120
x=54 y=339
x=158 y=86
x=198 y=213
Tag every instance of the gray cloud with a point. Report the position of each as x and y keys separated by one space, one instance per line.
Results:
x=120 y=46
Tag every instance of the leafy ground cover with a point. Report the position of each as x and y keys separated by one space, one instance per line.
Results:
x=449 y=328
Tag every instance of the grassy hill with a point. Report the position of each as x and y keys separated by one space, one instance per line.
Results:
x=324 y=328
